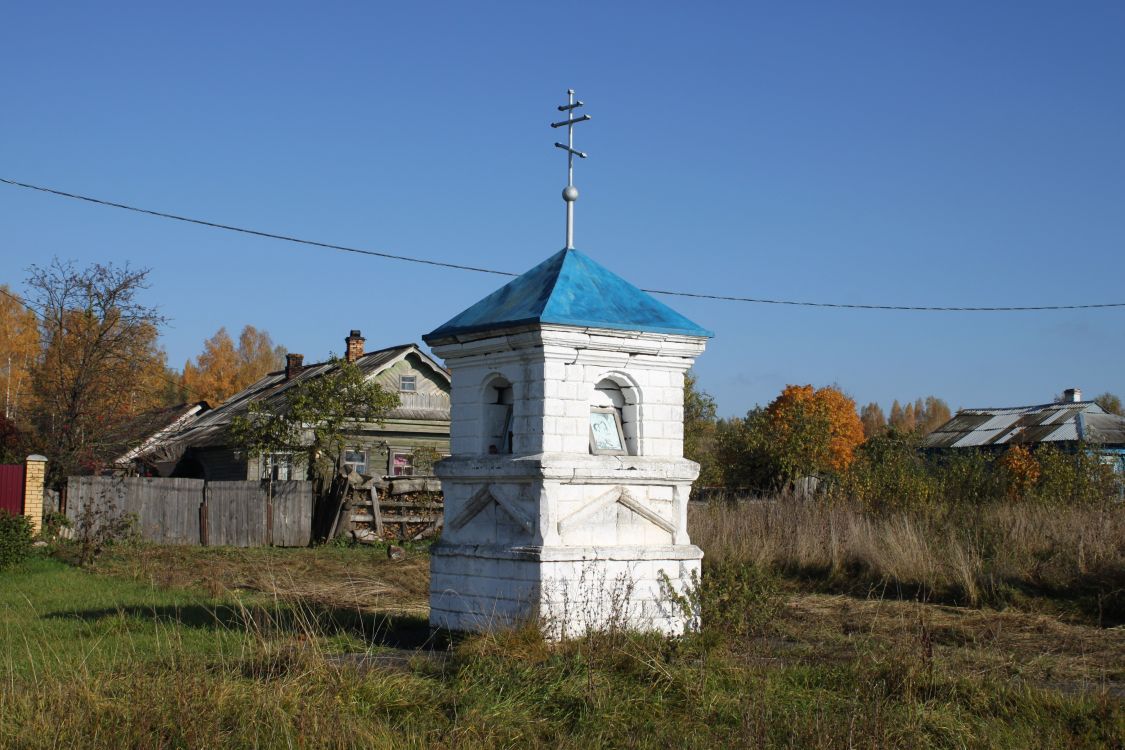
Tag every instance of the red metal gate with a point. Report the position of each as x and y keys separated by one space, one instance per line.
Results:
x=11 y=488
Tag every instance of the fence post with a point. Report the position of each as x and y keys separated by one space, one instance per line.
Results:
x=34 y=477
x=204 y=519
x=269 y=512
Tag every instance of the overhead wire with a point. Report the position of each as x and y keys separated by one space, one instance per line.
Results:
x=255 y=232
x=478 y=269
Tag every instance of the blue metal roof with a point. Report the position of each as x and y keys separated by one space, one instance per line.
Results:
x=569 y=289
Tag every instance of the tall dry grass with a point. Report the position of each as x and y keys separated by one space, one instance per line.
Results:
x=993 y=554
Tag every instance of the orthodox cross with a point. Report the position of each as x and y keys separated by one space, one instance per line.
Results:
x=570 y=193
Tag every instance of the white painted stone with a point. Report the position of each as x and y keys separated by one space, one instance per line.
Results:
x=548 y=547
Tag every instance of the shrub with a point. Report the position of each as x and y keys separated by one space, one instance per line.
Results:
x=53 y=524
x=1074 y=478
x=888 y=474
x=1020 y=470
x=101 y=525
x=15 y=539
x=739 y=599
x=966 y=477
x=735 y=598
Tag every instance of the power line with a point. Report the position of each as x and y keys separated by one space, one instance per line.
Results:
x=477 y=269
x=255 y=232
x=20 y=301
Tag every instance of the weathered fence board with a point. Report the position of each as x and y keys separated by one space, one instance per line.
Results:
x=292 y=514
x=192 y=511
x=236 y=514
x=99 y=496
x=167 y=510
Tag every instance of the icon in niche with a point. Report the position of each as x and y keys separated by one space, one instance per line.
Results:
x=606 y=435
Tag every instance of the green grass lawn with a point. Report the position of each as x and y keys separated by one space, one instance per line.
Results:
x=57 y=618
x=190 y=647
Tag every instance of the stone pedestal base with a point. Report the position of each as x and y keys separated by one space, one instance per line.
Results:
x=566 y=591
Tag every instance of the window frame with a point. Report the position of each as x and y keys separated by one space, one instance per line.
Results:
x=402 y=380
x=268 y=461
x=356 y=464
x=408 y=453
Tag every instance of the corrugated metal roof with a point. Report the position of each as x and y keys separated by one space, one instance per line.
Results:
x=1107 y=429
x=1044 y=423
x=210 y=428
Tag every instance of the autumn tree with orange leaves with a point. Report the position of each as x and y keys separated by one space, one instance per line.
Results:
x=814 y=430
x=803 y=432
x=223 y=369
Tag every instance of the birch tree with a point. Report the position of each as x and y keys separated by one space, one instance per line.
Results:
x=19 y=349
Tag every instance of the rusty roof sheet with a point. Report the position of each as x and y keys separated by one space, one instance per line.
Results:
x=1044 y=423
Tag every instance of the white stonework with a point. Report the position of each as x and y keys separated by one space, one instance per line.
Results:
x=549 y=533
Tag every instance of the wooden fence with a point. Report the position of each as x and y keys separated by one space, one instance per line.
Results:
x=193 y=511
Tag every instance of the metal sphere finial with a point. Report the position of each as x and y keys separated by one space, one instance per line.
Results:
x=570 y=193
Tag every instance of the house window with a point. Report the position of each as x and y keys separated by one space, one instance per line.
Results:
x=277 y=466
x=356 y=460
x=408 y=383
x=402 y=463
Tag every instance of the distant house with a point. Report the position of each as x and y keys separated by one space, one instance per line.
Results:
x=203 y=449
x=1063 y=424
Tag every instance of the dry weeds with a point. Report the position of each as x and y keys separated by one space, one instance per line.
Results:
x=1037 y=649
x=1069 y=559
x=360 y=579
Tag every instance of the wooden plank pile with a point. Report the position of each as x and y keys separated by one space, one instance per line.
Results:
x=398 y=509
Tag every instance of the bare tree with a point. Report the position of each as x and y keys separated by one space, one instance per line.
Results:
x=101 y=364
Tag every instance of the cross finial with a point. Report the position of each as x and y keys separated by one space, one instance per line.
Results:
x=570 y=193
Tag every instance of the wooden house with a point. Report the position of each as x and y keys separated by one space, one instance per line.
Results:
x=418 y=427
x=1064 y=424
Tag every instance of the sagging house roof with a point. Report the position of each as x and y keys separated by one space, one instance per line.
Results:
x=1044 y=423
x=158 y=425
x=210 y=428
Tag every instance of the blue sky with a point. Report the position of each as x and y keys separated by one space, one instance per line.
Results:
x=953 y=154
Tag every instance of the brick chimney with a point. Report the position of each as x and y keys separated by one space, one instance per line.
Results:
x=293 y=364
x=354 y=343
x=1072 y=395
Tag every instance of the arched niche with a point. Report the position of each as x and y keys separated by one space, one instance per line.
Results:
x=497 y=402
x=615 y=406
